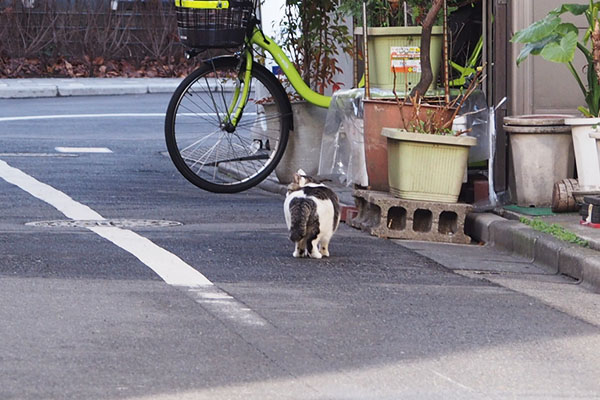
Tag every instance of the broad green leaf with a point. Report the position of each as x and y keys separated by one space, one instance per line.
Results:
x=537 y=31
x=565 y=28
x=536 y=48
x=562 y=52
x=575 y=9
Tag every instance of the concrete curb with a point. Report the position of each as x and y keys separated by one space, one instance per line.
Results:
x=544 y=250
x=52 y=87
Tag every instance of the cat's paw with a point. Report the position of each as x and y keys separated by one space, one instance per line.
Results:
x=315 y=254
x=325 y=252
x=296 y=254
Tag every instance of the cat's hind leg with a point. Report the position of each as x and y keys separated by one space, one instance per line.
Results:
x=325 y=246
x=300 y=250
x=314 y=248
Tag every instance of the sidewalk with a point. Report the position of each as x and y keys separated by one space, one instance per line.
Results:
x=500 y=228
x=28 y=88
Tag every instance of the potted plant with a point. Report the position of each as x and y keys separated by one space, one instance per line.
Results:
x=427 y=157
x=379 y=113
x=394 y=41
x=557 y=41
x=314 y=34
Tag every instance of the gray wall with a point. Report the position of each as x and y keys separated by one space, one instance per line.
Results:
x=539 y=86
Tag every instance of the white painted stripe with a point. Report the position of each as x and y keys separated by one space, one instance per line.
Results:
x=83 y=149
x=110 y=115
x=65 y=116
x=172 y=269
x=47 y=193
x=36 y=155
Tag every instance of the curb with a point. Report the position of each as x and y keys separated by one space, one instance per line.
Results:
x=64 y=87
x=541 y=249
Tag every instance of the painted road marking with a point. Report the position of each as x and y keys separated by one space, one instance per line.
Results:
x=83 y=149
x=111 y=115
x=64 y=116
x=172 y=269
x=36 y=155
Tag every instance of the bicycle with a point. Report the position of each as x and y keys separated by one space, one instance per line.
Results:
x=228 y=122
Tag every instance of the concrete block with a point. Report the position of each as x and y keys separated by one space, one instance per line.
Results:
x=165 y=85
x=524 y=241
x=591 y=272
x=25 y=91
x=477 y=225
x=547 y=253
x=384 y=215
x=104 y=88
x=501 y=234
x=570 y=261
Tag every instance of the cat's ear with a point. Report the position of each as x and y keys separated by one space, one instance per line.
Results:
x=296 y=179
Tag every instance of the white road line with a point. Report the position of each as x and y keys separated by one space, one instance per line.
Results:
x=83 y=149
x=36 y=155
x=65 y=116
x=172 y=269
x=109 y=115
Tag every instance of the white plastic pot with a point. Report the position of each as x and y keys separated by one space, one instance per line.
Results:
x=586 y=152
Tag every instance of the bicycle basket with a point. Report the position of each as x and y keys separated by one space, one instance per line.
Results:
x=213 y=24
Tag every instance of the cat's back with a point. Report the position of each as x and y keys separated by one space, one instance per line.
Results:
x=327 y=202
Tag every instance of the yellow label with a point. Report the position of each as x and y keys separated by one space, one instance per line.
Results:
x=203 y=4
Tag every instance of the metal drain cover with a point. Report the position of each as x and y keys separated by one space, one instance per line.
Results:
x=119 y=223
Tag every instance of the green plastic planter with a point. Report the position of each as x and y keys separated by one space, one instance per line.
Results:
x=384 y=44
x=426 y=167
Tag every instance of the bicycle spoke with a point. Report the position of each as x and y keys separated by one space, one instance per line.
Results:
x=205 y=144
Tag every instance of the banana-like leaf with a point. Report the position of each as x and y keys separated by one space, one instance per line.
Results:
x=537 y=31
x=575 y=9
x=562 y=52
x=536 y=48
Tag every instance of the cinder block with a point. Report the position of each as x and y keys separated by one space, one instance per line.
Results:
x=384 y=215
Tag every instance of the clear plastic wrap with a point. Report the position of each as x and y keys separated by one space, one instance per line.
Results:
x=342 y=149
x=477 y=112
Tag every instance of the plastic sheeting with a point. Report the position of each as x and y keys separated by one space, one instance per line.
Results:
x=343 y=149
x=476 y=110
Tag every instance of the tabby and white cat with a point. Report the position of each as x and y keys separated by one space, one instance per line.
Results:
x=312 y=215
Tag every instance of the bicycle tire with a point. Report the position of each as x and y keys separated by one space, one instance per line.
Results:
x=209 y=151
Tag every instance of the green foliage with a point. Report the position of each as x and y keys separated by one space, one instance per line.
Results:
x=556 y=41
x=555 y=230
x=384 y=13
x=311 y=32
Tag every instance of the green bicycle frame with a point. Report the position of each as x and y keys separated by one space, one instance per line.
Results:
x=289 y=70
x=240 y=100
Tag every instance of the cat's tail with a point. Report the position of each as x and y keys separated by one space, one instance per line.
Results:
x=300 y=210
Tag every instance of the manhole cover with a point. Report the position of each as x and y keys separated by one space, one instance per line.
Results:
x=119 y=223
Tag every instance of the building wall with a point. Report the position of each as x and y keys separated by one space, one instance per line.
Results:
x=538 y=86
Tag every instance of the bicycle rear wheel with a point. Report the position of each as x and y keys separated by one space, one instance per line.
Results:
x=207 y=146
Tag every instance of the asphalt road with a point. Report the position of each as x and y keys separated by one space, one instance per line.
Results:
x=215 y=307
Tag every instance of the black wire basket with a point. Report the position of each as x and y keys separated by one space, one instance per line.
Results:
x=202 y=28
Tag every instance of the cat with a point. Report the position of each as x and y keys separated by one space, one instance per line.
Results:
x=312 y=215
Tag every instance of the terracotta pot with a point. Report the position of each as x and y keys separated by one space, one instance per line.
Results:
x=379 y=114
